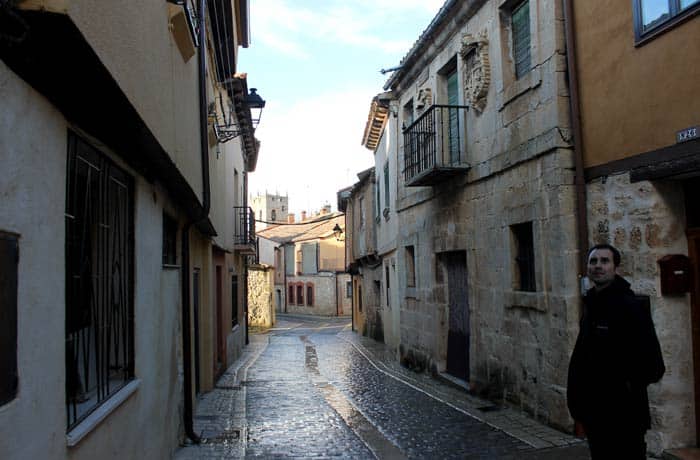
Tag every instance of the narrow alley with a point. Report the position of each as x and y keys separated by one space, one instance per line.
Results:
x=311 y=388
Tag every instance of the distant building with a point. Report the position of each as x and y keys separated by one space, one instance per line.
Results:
x=309 y=265
x=270 y=208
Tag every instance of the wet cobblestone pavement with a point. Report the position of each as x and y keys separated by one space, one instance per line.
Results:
x=310 y=388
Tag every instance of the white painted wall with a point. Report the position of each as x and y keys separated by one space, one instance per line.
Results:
x=33 y=139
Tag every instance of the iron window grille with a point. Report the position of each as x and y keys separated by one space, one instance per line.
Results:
x=99 y=280
x=309 y=295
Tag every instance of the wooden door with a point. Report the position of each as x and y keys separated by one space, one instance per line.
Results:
x=455 y=264
x=694 y=254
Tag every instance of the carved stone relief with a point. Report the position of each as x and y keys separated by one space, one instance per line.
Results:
x=425 y=98
x=477 y=72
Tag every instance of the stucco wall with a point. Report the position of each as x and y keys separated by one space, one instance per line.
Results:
x=633 y=99
x=155 y=78
x=645 y=221
x=33 y=189
x=325 y=302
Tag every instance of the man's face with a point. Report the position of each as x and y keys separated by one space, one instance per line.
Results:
x=601 y=268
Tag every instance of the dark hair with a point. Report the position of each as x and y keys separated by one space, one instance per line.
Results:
x=611 y=248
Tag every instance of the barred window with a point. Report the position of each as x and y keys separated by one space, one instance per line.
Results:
x=99 y=280
x=309 y=295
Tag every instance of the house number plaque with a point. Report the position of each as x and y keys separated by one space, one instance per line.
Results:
x=687 y=134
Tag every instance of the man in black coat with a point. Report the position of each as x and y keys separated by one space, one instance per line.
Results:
x=617 y=354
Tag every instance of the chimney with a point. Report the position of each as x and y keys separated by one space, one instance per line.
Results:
x=290 y=218
x=303 y=216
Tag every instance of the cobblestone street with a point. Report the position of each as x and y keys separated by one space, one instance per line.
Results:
x=311 y=388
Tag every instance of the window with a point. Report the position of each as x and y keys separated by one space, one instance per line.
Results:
x=348 y=289
x=386 y=283
x=273 y=215
x=99 y=272
x=290 y=300
x=309 y=253
x=520 y=30
x=651 y=15
x=362 y=212
x=289 y=259
x=234 y=301
x=300 y=294
x=300 y=259
x=309 y=294
x=169 y=240
x=408 y=114
x=453 y=99
x=525 y=257
x=377 y=187
x=386 y=185
x=9 y=258
x=410 y=266
x=359 y=297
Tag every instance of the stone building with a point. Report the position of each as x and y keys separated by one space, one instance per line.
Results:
x=123 y=232
x=269 y=207
x=309 y=265
x=637 y=69
x=475 y=121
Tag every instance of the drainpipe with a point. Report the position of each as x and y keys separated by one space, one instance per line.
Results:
x=245 y=260
x=574 y=102
x=206 y=203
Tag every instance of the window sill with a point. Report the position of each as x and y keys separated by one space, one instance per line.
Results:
x=524 y=299
x=171 y=267
x=528 y=82
x=74 y=436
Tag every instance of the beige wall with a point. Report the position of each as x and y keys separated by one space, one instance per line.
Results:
x=633 y=99
x=33 y=190
x=156 y=79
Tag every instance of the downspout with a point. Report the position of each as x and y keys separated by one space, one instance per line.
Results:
x=284 y=267
x=206 y=204
x=574 y=102
x=337 y=297
x=245 y=262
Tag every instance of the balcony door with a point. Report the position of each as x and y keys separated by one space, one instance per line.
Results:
x=453 y=100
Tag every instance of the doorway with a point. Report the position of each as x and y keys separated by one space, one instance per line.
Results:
x=219 y=365
x=692 y=210
x=455 y=266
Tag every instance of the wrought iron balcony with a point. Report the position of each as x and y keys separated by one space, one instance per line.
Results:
x=244 y=239
x=434 y=146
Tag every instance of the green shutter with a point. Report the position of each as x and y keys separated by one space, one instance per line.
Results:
x=521 y=38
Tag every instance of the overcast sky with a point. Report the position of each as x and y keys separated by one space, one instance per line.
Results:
x=316 y=63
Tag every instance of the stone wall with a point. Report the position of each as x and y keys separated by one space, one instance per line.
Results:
x=646 y=221
x=261 y=311
x=325 y=301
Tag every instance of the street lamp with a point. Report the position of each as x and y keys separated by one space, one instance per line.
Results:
x=338 y=232
x=255 y=104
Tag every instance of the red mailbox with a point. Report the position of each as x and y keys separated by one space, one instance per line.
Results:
x=675 y=274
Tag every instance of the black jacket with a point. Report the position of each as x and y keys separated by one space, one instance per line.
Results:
x=617 y=354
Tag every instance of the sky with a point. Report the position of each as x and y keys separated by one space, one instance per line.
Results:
x=316 y=63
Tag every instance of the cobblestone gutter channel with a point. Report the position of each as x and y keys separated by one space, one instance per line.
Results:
x=380 y=446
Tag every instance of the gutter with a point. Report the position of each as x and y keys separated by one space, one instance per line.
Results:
x=574 y=102
x=206 y=205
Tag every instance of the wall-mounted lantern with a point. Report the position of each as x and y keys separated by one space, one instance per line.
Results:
x=338 y=232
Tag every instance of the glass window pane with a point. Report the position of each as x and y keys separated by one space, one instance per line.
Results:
x=687 y=3
x=654 y=12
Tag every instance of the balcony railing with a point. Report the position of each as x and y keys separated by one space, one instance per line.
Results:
x=434 y=146
x=244 y=239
